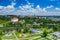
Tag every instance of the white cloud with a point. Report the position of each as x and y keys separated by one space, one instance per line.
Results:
x=1 y=7
x=57 y=8
x=27 y=1
x=50 y=6
x=28 y=10
x=44 y=9
x=38 y=6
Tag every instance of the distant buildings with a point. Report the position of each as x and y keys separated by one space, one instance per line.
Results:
x=42 y=17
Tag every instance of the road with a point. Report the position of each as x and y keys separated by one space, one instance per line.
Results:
x=15 y=36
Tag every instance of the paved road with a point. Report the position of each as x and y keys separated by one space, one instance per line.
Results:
x=15 y=36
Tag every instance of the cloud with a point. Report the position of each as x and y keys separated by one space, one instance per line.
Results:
x=50 y=6
x=27 y=1
x=1 y=7
x=28 y=9
x=38 y=6
x=57 y=8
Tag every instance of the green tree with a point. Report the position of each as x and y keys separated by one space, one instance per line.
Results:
x=44 y=34
x=0 y=34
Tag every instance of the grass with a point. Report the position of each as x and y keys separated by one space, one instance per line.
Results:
x=17 y=33
x=1 y=25
x=9 y=37
x=30 y=36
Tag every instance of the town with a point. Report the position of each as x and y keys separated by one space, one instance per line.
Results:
x=13 y=27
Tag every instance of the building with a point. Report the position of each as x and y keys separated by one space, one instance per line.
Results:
x=14 y=19
x=35 y=31
x=55 y=34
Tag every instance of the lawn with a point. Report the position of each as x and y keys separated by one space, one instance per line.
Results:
x=9 y=37
x=29 y=37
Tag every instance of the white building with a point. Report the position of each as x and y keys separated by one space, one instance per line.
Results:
x=14 y=19
x=55 y=34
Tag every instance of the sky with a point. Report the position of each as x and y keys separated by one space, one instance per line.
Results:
x=30 y=7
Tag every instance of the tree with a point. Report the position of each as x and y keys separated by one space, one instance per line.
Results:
x=44 y=34
x=0 y=35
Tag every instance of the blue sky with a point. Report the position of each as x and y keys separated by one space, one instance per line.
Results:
x=42 y=3
x=29 y=7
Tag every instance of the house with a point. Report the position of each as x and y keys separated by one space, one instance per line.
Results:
x=35 y=31
x=55 y=34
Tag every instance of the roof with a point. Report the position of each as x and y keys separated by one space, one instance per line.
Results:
x=14 y=18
